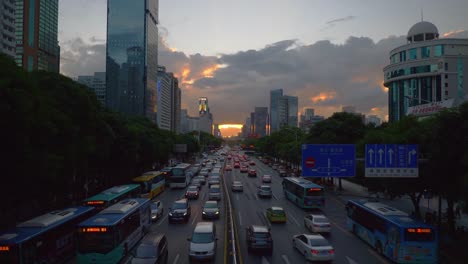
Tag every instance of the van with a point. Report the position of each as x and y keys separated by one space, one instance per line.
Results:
x=215 y=192
x=203 y=242
x=152 y=249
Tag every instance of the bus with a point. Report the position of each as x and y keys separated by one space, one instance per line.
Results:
x=181 y=176
x=49 y=238
x=152 y=184
x=392 y=233
x=113 y=195
x=110 y=235
x=304 y=193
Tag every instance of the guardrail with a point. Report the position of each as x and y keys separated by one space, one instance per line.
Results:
x=231 y=223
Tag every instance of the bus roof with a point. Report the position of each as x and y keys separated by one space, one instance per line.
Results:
x=115 y=213
x=38 y=225
x=182 y=166
x=303 y=182
x=113 y=192
x=147 y=177
x=392 y=214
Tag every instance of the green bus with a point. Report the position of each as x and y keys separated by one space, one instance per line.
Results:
x=304 y=193
x=113 y=195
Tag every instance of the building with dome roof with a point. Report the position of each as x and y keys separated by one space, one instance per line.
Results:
x=426 y=74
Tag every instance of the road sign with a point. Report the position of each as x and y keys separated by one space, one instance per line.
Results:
x=391 y=160
x=328 y=160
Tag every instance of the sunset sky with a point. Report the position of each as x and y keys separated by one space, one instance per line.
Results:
x=328 y=53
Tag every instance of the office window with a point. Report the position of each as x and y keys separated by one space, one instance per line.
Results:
x=413 y=54
x=425 y=52
x=438 y=50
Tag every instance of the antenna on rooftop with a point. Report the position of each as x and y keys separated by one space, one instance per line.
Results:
x=422 y=14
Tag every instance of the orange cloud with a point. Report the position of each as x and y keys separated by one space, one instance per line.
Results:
x=451 y=33
x=323 y=96
x=209 y=72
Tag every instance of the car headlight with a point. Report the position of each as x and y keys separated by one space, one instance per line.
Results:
x=170 y=214
x=153 y=216
x=216 y=212
x=185 y=213
x=203 y=212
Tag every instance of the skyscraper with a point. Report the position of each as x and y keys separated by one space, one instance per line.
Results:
x=164 y=95
x=36 y=23
x=274 y=95
x=261 y=116
x=205 y=120
x=287 y=111
x=96 y=83
x=7 y=27
x=132 y=57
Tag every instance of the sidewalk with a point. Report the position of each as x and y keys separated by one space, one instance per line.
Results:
x=355 y=191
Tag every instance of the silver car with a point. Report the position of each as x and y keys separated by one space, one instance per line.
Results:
x=264 y=191
x=214 y=193
x=317 y=223
x=157 y=210
x=237 y=186
x=314 y=247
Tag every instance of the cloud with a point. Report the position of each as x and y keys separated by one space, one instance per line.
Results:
x=460 y=33
x=342 y=19
x=324 y=75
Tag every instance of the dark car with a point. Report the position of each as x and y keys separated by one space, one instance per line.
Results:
x=192 y=192
x=259 y=238
x=180 y=211
x=210 y=210
x=152 y=249
x=252 y=173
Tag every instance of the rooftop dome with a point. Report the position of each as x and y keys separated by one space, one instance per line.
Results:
x=422 y=31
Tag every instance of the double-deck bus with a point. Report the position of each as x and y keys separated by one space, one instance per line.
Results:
x=304 y=193
x=49 y=238
x=113 y=195
x=180 y=176
x=152 y=183
x=110 y=235
x=392 y=232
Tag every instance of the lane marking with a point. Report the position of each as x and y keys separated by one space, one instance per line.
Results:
x=162 y=220
x=274 y=196
x=237 y=197
x=176 y=259
x=240 y=219
x=264 y=260
x=203 y=196
x=377 y=256
x=350 y=260
x=285 y=258
x=194 y=218
x=293 y=218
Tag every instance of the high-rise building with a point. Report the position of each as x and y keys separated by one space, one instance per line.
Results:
x=373 y=119
x=164 y=101
x=36 y=26
x=216 y=131
x=132 y=57
x=7 y=27
x=184 y=122
x=287 y=111
x=205 y=120
x=176 y=106
x=274 y=97
x=96 y=83
x=261 y=118
x=309 y=113
x=426 y=74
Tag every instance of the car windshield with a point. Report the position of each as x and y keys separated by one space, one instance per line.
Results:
x=211 y=205
x=154 y=206
x=214 y=190
x=179 y=206
x=278 y=212
x=266 y=188
x=237 y=183
x=192 y=189
x=320 y=220
x=319 y=242
x=202 y=238
x=261 y=235
x=146 y=251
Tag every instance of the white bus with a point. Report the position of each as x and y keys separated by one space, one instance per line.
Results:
x=181 y=176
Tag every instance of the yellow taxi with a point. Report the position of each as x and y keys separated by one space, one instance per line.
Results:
x=276 y=214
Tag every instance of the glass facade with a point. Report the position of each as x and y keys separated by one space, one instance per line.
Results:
x=439 y=50
x=131 y=61
x=413 y=54
x=425 y=52
x=274 y=102
x=460 y=77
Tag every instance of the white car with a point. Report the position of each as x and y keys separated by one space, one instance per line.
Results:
x=157 y=210
x=317 y=223
x=237 y=186
x=314 y=247
x=266 y=178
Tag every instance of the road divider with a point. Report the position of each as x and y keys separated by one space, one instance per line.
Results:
x=230 y=238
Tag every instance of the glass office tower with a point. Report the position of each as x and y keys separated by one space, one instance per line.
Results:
x=132 y=57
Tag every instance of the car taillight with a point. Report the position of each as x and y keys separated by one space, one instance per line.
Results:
x=331 y=251
x=314 y=252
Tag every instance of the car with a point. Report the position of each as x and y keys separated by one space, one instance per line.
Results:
x=252 y=163
x=252 y=173
x=275 y=166
x=264 y=191
x=214 y=193
x=203 y=242
x=201 y=179
x=237 y=186
x=228 y=168
x=266 y=178
x=276 y=214
x=192 y=192
x=236 y=165
x=213 y=180
x=157 y=210
x=196 y=182
x=259 y=238
x=153 y=248
x=283 y=173
x=314 y=247
x=244 y=169
x=317 y=223
x=210 y=210
x=180 y=211
x=204 y=172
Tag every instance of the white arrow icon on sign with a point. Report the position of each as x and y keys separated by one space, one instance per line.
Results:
x=380 y=155
x=371 y=152
x=411 y=153
x=390 y=156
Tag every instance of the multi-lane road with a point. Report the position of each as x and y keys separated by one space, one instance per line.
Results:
x=248 y=209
